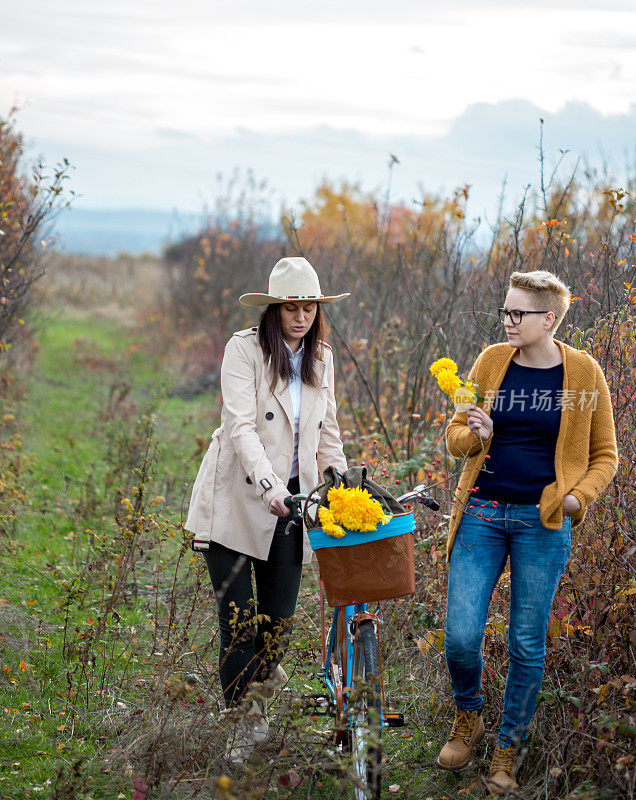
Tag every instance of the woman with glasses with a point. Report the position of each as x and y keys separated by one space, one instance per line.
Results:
x=536 y=455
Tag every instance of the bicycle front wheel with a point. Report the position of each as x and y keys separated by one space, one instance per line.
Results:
x=365 y=728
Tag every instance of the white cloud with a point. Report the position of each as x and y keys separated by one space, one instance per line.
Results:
x=299 y=90
x=485 y=144
x=411 y=71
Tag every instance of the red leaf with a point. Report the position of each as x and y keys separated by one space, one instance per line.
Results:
x=290 y=778
x=140 y=789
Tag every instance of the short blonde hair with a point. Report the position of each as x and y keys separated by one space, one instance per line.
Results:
x=549 y=292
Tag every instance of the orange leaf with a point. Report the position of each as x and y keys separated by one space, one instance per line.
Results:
x=433 y=639
x=601 y=693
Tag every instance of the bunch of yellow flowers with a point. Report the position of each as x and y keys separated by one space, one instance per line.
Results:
x=353 y=509
x=445 y=370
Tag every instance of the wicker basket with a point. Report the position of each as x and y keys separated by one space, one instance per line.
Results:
x=362 y=567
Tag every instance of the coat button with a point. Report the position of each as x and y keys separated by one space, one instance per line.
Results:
x=248 y=479
x=269 y=415
x=320 y=424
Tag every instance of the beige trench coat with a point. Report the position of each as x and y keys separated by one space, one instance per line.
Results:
x=250 y=456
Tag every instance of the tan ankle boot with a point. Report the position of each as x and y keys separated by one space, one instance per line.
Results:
x=501 y=779
x=467 y=732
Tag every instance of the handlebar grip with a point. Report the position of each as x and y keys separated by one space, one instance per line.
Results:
x=289 y=502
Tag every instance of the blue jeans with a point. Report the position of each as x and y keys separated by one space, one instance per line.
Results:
x=537 y=560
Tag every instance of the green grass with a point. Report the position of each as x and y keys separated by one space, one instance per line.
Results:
x=84 y=365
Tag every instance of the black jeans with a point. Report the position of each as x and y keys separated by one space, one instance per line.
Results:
x=251 y=646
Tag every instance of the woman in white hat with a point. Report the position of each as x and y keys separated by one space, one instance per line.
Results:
x=278 y=433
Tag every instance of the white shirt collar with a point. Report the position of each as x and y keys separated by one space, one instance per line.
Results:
x=298 y=352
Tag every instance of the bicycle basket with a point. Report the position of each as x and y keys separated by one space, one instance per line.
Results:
x=361 y=567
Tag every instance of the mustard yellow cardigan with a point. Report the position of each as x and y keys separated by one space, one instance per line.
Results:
x=585 y=458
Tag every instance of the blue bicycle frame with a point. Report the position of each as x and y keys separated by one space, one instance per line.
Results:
x=350 y=613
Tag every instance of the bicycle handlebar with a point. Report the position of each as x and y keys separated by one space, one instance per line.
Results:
x=419 y=494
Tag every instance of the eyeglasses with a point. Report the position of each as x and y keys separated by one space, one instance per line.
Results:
x=515 y=315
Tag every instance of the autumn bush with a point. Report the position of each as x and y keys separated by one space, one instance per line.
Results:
x=29 y=199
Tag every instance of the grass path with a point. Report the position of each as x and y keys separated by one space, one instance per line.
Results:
x=85 y=372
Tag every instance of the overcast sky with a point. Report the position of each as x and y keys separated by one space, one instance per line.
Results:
x=150 y=100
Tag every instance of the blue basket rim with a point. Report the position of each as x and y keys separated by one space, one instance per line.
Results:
x=398 y=525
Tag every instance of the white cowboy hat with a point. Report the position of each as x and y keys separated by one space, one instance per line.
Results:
x=291 y=279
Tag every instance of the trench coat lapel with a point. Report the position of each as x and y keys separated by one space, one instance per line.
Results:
x=309 y=394
x=281 y=393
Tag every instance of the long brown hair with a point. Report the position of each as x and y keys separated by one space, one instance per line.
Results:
x=270 y=337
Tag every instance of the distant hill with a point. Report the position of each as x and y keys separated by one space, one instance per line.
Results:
x=113 y=231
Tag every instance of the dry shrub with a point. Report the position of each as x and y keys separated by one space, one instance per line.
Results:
x=28 y=202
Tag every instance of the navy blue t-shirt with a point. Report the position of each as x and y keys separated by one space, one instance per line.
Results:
x=526 y=415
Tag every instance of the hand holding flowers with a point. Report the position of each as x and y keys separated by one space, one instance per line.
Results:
x=464 y=395
x=479 y=422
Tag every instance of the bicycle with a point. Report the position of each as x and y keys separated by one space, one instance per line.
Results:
x=352 y=671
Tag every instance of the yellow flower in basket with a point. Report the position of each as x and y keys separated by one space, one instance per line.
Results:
x=328 y=523
x=352 y=508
